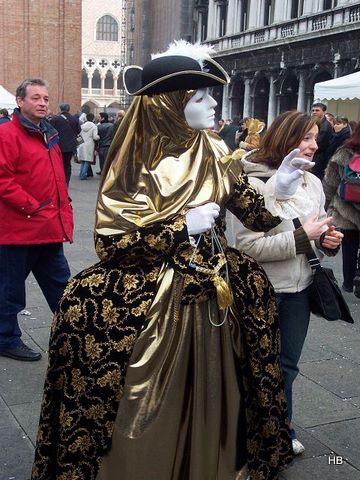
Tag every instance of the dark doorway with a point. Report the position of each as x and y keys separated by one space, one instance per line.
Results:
x=237 y=98
x=289 y=93
x=261 y=99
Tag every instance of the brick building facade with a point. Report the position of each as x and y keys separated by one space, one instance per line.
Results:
x=42 y=38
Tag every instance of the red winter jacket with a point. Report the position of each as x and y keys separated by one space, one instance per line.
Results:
x=34 y=203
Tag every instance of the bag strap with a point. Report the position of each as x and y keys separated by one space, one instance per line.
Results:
x=312 y=258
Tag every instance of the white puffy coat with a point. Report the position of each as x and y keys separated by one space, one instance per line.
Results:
x=275 y=250
x=89 y=132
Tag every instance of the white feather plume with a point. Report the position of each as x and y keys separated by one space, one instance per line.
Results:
x=193 y=50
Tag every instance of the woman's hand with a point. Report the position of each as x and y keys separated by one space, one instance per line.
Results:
x=200 y=219
x=314 y=228
x=332 y=238
x=289 y=174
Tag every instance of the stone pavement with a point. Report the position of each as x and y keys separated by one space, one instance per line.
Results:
x=327 y=393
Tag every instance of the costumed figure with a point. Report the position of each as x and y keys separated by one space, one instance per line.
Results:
x=254 y=128
x=164 y=356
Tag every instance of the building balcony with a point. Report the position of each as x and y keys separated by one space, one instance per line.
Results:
x=96 y=92
x=331 y=21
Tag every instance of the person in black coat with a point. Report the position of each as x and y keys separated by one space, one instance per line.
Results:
x=4 y=116
x=342 y=132
x=324 y=138
x=228 y=133
x=68 y=128
x=105 y=131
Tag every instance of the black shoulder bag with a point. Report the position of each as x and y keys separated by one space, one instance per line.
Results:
x=326 y=298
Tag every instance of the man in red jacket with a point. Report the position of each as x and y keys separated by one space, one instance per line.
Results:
x=35 y=213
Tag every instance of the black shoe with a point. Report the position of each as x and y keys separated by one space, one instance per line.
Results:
x=346 y=288
x=356 y=283
x=21 y=352
x=98 y=173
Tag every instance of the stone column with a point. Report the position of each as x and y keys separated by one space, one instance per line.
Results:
x=211 y=20
x=89 y=83
x=253 y=13
x=308 y=7
x=115 y=86
x=225 y=112
x=102 y=88
x=231 y=17
x=247 y=99
x=272 y=101
x=301 y=102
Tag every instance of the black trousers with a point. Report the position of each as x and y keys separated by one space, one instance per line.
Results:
x=350 y=256
x=67 y=156
x=103 y=151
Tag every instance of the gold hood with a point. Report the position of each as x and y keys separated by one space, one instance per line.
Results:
x=159 y=167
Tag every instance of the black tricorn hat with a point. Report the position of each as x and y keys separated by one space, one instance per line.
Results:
x=173 y=72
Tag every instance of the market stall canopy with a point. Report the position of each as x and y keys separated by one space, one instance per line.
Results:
x=341 y=88
x=7 y=99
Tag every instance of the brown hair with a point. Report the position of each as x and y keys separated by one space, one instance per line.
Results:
x=354 y=141
x=284 y=134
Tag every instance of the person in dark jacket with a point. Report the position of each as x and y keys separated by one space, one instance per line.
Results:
x=4 y=116
x=105 y=131
x=228 y=133
x=68 y=128
x=35 y=213
x=323 y=141
x=342 y=133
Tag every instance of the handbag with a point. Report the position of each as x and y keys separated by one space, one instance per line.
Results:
x=349 y=187
x=79 y=139
x=325 y=297
x=94 y=159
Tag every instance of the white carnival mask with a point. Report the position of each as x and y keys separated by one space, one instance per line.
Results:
x=199 y=111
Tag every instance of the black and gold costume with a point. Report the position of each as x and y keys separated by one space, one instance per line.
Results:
x=140 y=383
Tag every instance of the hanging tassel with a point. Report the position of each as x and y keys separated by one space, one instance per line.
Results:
x=224 y=294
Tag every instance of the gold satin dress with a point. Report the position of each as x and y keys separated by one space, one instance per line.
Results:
x=181 y=399
x=141 y=384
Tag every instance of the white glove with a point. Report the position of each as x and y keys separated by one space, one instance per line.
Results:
x=289 y=174
x=201 y=219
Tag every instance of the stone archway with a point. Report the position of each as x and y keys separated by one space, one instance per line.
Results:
x=261 y=99
x=91 y=106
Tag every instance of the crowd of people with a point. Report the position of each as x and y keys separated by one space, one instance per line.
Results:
x=174 y=345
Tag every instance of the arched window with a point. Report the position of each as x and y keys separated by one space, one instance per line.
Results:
x=109 y=80
x=107 y=29
x=84 y=79
x=96 y=79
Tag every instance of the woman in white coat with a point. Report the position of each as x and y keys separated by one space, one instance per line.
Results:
x=282 y=250
x=89 y=133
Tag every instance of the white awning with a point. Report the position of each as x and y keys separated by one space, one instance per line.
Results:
x=341 y=88
x=7 y=99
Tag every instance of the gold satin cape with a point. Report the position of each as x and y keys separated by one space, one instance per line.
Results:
x=159 y=167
